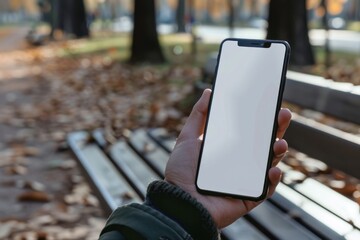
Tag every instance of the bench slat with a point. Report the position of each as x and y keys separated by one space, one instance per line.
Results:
x=329 y=199
x=163 y=138
x=354 y=235
x=98 y=136
x=338 y=149
x=242 y=229
x=154 y=156
x=320 y=221
x=108 y=182
x=279 y=225
x=314 y=92
x=138 y=172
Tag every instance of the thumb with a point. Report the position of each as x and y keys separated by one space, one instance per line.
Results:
x=194 y=125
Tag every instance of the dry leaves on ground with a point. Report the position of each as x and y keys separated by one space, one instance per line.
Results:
x=60 y=95
x=95 y=91
x=46 y=228
x=342 y=71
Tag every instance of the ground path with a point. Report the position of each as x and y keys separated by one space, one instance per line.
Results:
x=42 y=192
x=13 y=39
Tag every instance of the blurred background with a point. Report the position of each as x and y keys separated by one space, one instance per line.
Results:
x=120 y=65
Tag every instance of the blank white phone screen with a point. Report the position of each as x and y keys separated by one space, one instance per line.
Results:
x=240 y=123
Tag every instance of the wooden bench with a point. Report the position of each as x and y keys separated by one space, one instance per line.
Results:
x=305 y=209
x=120 y=173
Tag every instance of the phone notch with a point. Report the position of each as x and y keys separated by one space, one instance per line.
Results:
x=253 y=43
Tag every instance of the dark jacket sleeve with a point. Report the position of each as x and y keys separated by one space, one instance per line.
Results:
x=167 y=213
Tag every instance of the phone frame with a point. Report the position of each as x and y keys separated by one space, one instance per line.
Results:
x=259 y=44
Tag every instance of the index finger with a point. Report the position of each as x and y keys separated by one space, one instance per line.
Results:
x=284 y=118
x=194 y=125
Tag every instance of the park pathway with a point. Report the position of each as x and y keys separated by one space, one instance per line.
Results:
x=14 y=39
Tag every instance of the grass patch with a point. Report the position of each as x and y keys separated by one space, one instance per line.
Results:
x=335 y=55
x=178 y=50
x=354 y=26
x=320 y=69
x=94 y=45
x=176 y=47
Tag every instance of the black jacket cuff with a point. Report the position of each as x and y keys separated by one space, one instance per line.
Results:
x=181 y=207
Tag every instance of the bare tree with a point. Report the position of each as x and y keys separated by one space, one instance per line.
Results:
x=145 y=42
x=325 y=22
x=180 y=16
x=231 y=17
x=288 y=21
x=70 y=17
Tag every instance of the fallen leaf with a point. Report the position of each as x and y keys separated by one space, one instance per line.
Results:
x=30 y=151
x=41 y=235
x=343 y=187
x=67 y=164
x=293 y=177
x=79 y=232
x=16 y=170
x=148 y=148
x=33 y=185
x=31 y=235
x=127 y=196
x=58 y=136
x=5 y=229
x=8 y=158
x=76 y=179
x=97 y=222
x=161 y=115
x=34 y=196
x=79 y=195
x=339 y=175
x=356 y=195
x=91 y=200
x=82 y=189
x=315 y=166
x=72 y=199
x=126 y=133
x=66 y=217
x=40 y=221
x=9 y=227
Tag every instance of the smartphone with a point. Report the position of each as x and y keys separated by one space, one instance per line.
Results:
x=240 y=129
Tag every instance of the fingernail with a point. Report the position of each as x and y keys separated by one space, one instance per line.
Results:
x=282 y=155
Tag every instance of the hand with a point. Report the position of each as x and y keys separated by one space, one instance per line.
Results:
x=182 y=165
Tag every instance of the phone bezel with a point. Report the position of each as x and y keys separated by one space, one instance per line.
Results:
x=248 y=43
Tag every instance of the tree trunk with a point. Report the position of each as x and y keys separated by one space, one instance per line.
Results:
x=192 y=30
x=325 y=22
x=180 y=16
x=208 y=12
x=54 y=17
x=254 y=9
x=288 y=21
x=231 y=17
x=239 y=10
x=72 y=17
x=145 y=46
